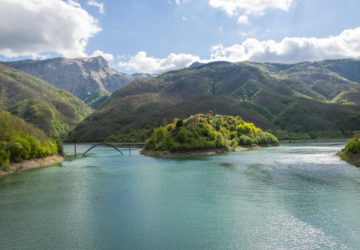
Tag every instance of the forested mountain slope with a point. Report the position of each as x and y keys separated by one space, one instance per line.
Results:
x=54 y=111
x=306 y=100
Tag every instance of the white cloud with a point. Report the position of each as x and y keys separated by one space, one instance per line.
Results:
x=99 y=5
x=292 y=49
x=108 y=57
x=178 y=2
x=244 y=8
x=232 y=7
x=184 y=18
x=288 y=50
x=243 y=19
x=37 y=27
x=147 y=64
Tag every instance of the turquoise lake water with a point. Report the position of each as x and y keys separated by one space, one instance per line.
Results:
x=298 y=196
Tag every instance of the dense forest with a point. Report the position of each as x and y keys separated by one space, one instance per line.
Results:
x=203 y=132
x=20 y=140
x=294 y=101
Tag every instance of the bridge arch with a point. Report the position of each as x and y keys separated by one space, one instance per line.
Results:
x=102 y=144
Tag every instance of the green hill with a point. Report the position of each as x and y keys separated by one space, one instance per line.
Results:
x=335 y=81
x=54 y=111
x=20 y=140
x=277 y=97
x=207 y=132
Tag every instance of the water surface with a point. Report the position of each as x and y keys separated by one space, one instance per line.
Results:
x=294 y=196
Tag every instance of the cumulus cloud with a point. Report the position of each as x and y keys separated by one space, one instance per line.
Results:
x=233 y=7
x=288 y=50
x=141 y=62
x=244 y=8
x=37 y=27
x=108 y=57
x=292 y=49
x=99 y=5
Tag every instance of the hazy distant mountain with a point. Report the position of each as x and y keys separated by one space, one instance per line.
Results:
x=54 y=111
x=320 y=99
x=88 y=78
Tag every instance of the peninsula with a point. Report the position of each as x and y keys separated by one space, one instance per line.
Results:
x=351 y=152
x=204 y=134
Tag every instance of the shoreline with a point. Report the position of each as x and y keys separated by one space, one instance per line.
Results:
x=313 y=140
x=351 y=159
x=175 y=155
x=31 y=164
x=283 y=141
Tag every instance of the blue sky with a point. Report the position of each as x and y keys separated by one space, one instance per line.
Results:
x=160 y=35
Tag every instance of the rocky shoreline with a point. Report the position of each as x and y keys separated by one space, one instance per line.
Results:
x=31 y=164
x=350 y=158
x=174 y=155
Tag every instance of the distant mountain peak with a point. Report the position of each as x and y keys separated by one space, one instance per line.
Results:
x=97 y=60
x=196 y=65
x=89 y=78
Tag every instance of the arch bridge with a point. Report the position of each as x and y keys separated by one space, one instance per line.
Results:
x=115 y=146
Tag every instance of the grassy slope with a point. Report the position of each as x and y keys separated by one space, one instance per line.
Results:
x=279 y=97
x=52 y=110
x=20 y=140
x=335 y=81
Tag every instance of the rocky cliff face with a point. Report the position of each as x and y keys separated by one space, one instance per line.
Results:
x=88 y=78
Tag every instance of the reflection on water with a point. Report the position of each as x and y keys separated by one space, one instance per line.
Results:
x=225 y=164
x=294 y=196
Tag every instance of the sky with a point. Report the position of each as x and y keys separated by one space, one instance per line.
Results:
x=154 y=36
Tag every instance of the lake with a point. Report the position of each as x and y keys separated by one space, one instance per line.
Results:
x=293 y=196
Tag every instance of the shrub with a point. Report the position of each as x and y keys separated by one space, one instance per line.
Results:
x=353 y=146
x=245 y=140
x=4 y=155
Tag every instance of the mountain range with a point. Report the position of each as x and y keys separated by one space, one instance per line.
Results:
x=303 y=100
x=91 y=79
